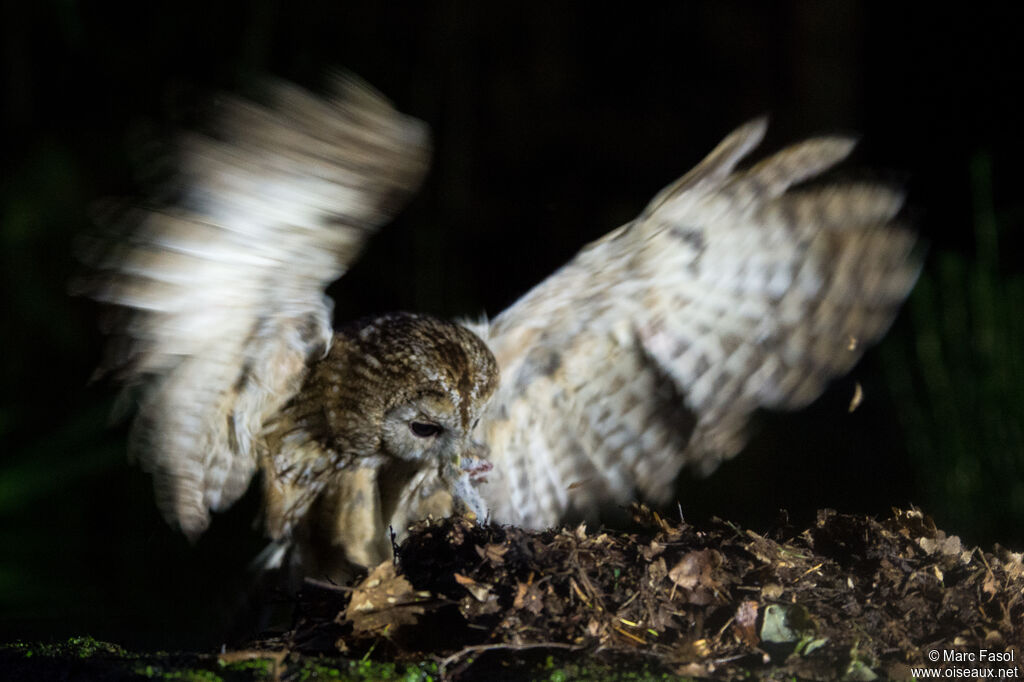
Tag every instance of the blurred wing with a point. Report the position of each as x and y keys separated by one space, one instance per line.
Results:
x=649 y=351
x=223 y=294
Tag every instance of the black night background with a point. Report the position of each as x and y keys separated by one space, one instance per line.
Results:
x=554 y=123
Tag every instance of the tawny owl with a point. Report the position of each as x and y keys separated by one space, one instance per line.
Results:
x=732 y=291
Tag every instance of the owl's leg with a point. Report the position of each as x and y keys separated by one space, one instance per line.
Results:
x=351 y=518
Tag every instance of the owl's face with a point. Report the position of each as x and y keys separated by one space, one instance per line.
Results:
x=405 y=386
x=429 y=427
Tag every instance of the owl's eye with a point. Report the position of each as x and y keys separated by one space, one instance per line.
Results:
x=424 y=430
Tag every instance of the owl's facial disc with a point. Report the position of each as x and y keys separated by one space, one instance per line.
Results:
x=414 y=387
x=423 y=429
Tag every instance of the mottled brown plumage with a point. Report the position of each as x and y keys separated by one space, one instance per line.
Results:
x=342 y=446
x=648 y=352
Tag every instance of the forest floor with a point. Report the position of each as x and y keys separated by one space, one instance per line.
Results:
x=851 y=598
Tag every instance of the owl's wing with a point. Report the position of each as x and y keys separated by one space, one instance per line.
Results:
x=732 y=291
x=221 y=295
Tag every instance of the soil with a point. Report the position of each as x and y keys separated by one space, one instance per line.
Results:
x=849 y=598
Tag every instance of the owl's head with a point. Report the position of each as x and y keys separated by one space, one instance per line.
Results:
x=406 y=386
x=391 y=410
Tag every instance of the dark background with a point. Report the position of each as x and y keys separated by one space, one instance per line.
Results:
x=553 y=124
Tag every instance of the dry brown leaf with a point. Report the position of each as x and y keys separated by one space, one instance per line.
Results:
x=745 y=623
x=528 y=596
x=383 y=600
x=693 y=574
x=480 y=592
x=652 y=550
x=494 y=552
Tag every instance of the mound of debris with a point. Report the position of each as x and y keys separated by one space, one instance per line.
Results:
x=851 y=597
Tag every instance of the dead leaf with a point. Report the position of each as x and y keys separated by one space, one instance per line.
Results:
x=652 y=550
x=762 y=548
x=745 y=623
x=657 y=570
x=480 y=592
x=229 y=657
x=494 y=553
x=693 y=650
x=693 y=575
x=990 y=586
x=383 y=600
x=528 y=596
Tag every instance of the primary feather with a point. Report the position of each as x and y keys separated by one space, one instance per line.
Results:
x=227 y=288
x=648 y=352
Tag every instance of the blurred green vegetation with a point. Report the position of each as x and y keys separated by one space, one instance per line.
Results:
x=956 y=371
x=88 y=657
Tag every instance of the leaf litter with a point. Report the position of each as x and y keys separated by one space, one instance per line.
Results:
x=849 y=598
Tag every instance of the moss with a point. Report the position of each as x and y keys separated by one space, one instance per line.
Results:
x=373 y=670
x=104 y=660
x=365 y=669
x=600 y=673
x=71 y=648
x=260 y=666
x=154 y=672
x=554 y=670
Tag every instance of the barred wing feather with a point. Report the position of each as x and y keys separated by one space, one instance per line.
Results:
x=732 y=291
x=222 y=293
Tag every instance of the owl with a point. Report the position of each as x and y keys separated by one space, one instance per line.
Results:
x=734 y=290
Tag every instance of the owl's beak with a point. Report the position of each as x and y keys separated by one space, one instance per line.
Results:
x=476 y=450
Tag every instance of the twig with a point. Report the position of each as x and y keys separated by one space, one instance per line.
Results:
x=442 y=667
x=326 y=585
x=277 y=657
